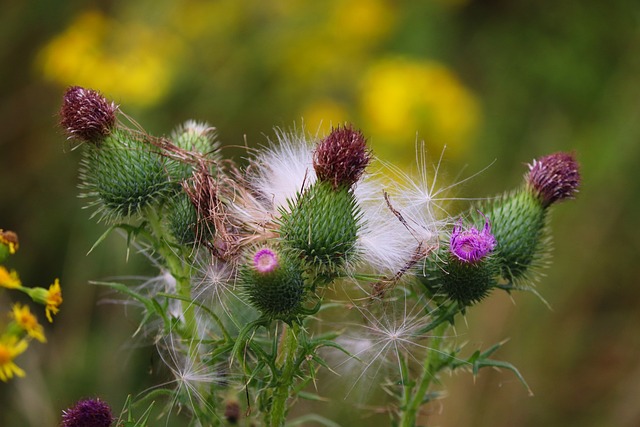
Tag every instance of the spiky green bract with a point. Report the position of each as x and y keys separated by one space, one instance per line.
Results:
x=277 y=294
x=322 y=226
x=123 y=175
x=183 y=219
x=464 y=282
x=519 y=225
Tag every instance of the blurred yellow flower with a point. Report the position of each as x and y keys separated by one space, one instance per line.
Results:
x=28 y=322
x=54 y=299
x=401 y=98
x=10 y=348
x=123 y=60
x=320 y=116
x=51 y=297
x=8 y=279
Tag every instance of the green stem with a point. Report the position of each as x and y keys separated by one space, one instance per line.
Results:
x=414 y=400
x=180 y=270
x=281 y=392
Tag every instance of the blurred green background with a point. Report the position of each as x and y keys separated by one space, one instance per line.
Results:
x=492 y=80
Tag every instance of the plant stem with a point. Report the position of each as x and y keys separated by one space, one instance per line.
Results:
x=414 y=400
x=180 y=270
x=287 y=354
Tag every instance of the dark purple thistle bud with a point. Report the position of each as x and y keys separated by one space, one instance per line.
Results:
x=554 y=177
x=87 y=115
x=265 y=261
x=471 y=245
x=341 y=157
x=87 y=413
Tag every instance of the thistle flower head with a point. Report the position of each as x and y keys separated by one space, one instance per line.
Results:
x=471 y=245
x=88 y=413
x=87 y=115
x=265 y=261
x=554 y=177
x=341 y=157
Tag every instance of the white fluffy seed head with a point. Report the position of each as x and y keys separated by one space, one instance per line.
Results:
x=282 y=170
x=397 y=226
x=387 y=337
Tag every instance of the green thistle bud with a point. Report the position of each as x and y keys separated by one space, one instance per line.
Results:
x=464 y=270
x=519 y=219
x=273 y=284
x=183 y=219
x=464 y=282
x=196 y=138
x=519 y=224
x=322 y=225
x=123 y=175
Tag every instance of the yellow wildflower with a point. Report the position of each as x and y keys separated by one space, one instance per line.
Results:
x=51 y=297
x=28 y=322
x=8 y=279
x=401 y=97
x=54 y=299
x=10 y=348
x=123 y=59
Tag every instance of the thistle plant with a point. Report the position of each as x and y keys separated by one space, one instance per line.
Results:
x=256 y=261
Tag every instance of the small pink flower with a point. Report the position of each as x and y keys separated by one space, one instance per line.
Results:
x=471 y=245
x=265 y=261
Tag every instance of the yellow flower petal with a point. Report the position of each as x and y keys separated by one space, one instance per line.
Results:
x=28 y=322
x=53 y=300
x=10 y=348
x=8 y=279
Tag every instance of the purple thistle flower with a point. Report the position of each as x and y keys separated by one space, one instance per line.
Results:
x=554 y=177
x=471 y=245
x=341 y=157
x=265 y=261
x=86 y=114
x=87 y=413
